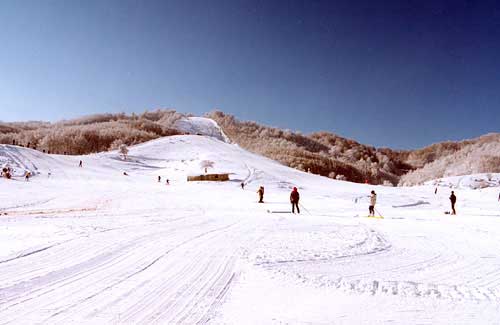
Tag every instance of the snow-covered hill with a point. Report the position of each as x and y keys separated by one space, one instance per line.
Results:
x=107 y=243
x=322 y=153
x=475 y=181
x=481 y=155
x=201 y=126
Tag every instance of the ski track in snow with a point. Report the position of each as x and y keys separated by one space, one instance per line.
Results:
x=91 y=246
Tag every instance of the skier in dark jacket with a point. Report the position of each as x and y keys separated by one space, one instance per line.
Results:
x=294 y=199
x=453 y=200
x=261 y=194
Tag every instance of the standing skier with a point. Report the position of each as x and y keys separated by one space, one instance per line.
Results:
x=373 y=201
x=242 y=185
x=261 y=194
x=27 y=176
x=294 y=199
x=453 y=200
x=159 y=179
x=80 y=164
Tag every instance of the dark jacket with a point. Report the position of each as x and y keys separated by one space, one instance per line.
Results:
x=294 y=197
x=453 y=198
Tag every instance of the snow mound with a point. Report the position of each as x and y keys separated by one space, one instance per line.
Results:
x=201 y=126
x=474 y=181
x=20 y=160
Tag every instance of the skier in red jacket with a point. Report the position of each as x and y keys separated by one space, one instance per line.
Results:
x=294 y=199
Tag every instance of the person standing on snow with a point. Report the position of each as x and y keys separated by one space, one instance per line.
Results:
x=242 y=185
x=373 y=201
x=261 y=194
x=294 y=199
x=453 y=200
x=159 y=179
x=27 y=176
x=80 y=164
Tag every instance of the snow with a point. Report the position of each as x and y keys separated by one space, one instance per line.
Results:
x=474 y=181
x=93 y=246
x=201 y=126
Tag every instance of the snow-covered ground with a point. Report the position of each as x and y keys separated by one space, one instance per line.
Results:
x=475 y=181
x=91 y=245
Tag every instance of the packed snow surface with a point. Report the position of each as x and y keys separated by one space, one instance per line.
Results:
x=108 y=244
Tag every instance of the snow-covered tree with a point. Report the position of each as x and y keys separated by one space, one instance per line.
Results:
x=123 y=151
x=205 y=164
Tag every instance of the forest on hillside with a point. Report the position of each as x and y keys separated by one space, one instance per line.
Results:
x=322 y=153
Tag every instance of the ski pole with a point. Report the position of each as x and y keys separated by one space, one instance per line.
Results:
x=380 y=215
x=303 y=207
x=357 y=199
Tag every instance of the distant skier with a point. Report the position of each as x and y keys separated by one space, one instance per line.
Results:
x=453 y=200
x=6 y=172
x=242 y=185
x=80 y=164
x=159 y=179
x=373 y=201
x=168 y=182
x=294 y=199
x=27 y=176
x=261 y=194
x=125 y=174
x=436 y=190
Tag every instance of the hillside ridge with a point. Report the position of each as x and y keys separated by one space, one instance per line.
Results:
x=322 y=153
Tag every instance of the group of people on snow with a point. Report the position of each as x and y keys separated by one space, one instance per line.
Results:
x=167 y=182
x=6 y=172
x=295 y=197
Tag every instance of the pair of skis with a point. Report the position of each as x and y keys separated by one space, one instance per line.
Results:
x=375 y=217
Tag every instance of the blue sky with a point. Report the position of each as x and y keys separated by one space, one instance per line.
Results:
x=401 y=74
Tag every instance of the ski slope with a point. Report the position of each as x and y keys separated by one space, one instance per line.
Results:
x=94 y=246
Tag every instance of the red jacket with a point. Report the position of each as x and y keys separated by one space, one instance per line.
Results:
x=294 y=197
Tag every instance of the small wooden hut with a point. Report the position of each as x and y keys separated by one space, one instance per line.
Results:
x=219 y=177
